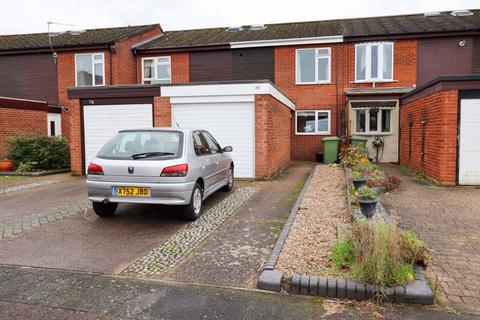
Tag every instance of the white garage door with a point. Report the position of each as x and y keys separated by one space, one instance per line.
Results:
x=102 y=122
x=469 y=154
x=230 y=123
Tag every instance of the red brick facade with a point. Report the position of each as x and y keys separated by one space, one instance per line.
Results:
x=13 y=121
x=440 y=143
x=331 y=96
x=272 y=135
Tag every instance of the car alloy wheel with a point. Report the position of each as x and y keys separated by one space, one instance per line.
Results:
x=197 y=201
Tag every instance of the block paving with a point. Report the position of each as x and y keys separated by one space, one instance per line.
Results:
x=447 y=219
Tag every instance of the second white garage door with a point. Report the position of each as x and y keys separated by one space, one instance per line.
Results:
x=102 y=122
x=232 y=124
x=469 y=154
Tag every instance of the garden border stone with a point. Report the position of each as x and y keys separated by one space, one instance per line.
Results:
x=417 y=291
x=34 y=174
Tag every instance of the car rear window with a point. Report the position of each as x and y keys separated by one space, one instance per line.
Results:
x=144 y=145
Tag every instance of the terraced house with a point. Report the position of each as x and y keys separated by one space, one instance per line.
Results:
x=272 y=91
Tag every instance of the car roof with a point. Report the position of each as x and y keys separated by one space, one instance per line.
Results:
x=180 y=129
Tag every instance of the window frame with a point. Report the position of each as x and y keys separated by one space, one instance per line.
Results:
x=297 y=64
x=368 y=61
x=155 y=61
x=379 y=121
x=316 y=132
x=93 y=68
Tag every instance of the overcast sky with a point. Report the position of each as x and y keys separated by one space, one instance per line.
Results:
x=22 y=16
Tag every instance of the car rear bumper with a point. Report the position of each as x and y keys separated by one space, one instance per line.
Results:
x=160 y=193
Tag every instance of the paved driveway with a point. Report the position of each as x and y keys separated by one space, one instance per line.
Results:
x=448 y=220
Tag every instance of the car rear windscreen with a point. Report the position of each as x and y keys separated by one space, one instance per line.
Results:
x=144 y=145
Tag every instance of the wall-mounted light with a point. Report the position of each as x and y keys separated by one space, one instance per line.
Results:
x=462 y=43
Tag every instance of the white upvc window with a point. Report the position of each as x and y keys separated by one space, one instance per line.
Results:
x=313 y=66
x=89 y=69
x=156 y=70
x=312 y=122
x=373 y=120
x=374 y=62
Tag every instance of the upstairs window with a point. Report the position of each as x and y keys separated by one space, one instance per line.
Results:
x=374 y=61
x=313 y=66
x=156 y=70
x=89 y=69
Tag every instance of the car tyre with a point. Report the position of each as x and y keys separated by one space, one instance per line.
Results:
x=231 y=181
x=193 y=210
x=104 y=210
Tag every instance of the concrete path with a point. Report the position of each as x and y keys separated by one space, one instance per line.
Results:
x=233 y=254
x=47 y=294
x=448 y=220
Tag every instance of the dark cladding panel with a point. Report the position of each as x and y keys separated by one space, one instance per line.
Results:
x=211 y=65
x=444 y=56
x=29 y=76
x=254 y=64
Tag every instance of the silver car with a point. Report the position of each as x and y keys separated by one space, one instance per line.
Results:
x=169 y=166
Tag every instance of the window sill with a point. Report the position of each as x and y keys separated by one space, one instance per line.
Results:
x=374 y=81
x=313 y=134
x=311 y=83
x=373 y=134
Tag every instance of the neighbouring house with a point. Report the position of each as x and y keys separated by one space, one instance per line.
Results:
x=41 y=66
x=21 y=115
x=321 y=78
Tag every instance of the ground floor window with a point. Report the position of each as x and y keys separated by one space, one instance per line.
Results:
x=312 y=122
x=373 y=120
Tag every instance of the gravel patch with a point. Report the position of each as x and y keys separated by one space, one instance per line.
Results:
x=27 y=186
x=324 y=208
x=166 y=256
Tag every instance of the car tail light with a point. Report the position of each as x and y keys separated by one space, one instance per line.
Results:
x=95 y=169
x=175 y=171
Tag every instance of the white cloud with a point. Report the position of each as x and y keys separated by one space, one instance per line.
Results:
x=22 y=16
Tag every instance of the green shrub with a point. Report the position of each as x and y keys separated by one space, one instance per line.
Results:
x=352 y=156
x=24 y=167
x=40 y=152
x=357 y=175
x=342 y=254
x=376 y=254
x=413 y=248
x=366 y=193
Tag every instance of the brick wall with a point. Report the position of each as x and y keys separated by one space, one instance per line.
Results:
x=331 y=96
x=180 y=64
x=162 y=112
x=123 y=61
x=272 y=135
x=14 y=121
x=440 y=136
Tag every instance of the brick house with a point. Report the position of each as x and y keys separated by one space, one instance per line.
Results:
x=35 y=73
x=326 y=78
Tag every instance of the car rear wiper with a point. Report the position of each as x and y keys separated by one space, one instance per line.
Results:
x=151 y=154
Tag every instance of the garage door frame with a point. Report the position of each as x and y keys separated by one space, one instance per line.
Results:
x=108 y=101
x=462 y=95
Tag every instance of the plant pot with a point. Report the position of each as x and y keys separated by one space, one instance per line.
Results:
x=6 y=165
x=368 y=207
x=358 y=183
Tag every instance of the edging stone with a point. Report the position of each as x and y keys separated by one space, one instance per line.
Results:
x=417 y=291
x=34 y=174
x=271 y=279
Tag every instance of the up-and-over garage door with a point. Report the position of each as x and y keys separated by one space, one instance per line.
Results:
x=102 y=122
x=469 y=153
x=231 y=123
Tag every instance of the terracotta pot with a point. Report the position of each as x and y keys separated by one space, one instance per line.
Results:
x=6 y=165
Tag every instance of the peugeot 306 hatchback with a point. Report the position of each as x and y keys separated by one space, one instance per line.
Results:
x=169 y=166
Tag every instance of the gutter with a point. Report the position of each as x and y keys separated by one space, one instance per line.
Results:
x=286 y=42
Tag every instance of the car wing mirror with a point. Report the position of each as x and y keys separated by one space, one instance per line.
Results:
x=227 y=149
